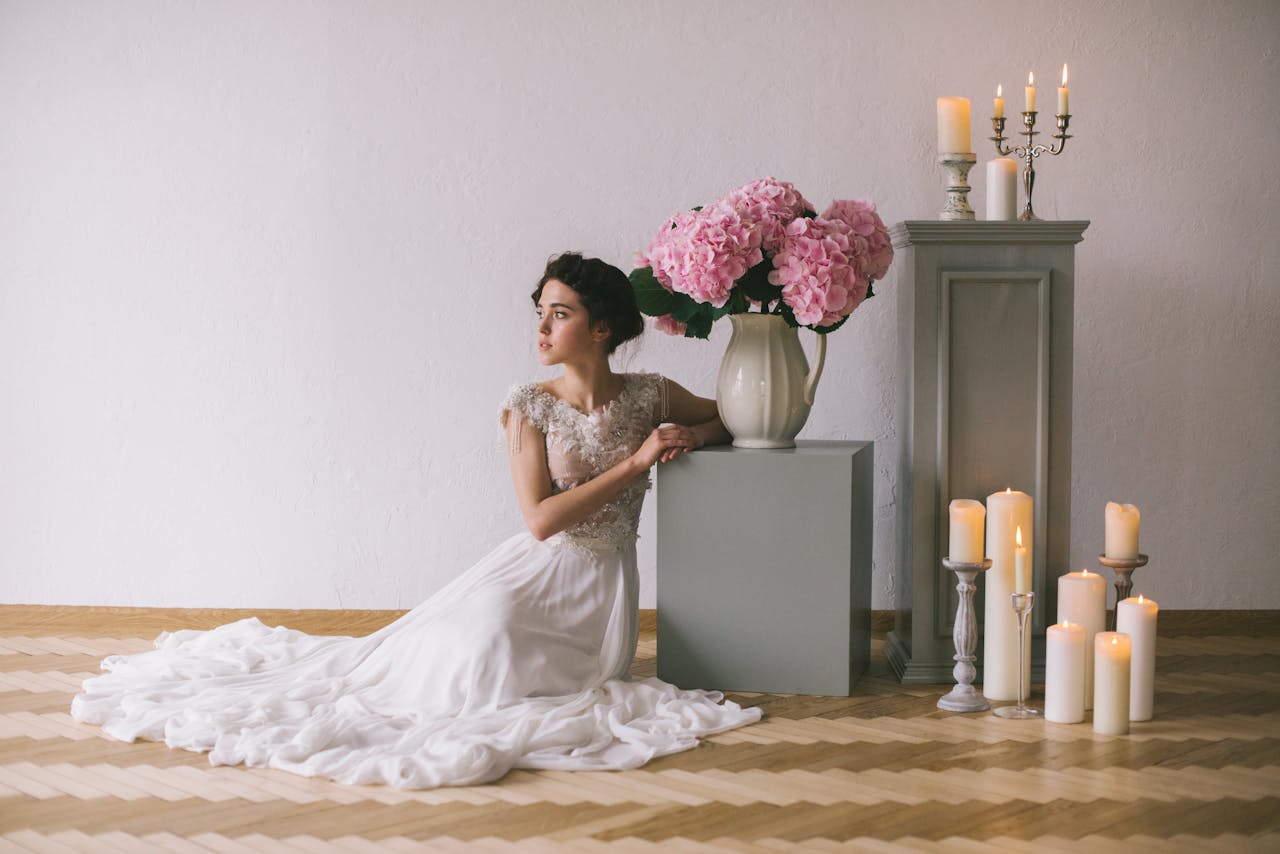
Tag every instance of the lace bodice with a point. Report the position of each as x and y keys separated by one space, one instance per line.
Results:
x=582 y=445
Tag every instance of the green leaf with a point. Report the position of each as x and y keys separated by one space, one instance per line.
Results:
x=699 y=326
x=651 y=297
x=755 y=282
x=736 y=304
x=684 y=307
x=809 y=214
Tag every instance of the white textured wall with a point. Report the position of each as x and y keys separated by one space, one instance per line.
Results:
x=264 y=266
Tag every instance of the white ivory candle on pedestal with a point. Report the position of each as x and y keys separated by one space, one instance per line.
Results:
x=1062 y=93
x=968 y=518
x=1064 y=657
x=1082 y=599
x=1122 y=531
x=1002 y=189
x=1111 y=652
x=1006 y=512
x=953 y=125
x=999 y=102
x=1137 y=619
x=1031 y=92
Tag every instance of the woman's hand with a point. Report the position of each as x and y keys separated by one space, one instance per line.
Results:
x=664 y=444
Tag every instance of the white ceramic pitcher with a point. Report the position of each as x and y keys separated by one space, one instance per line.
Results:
x=765 y=388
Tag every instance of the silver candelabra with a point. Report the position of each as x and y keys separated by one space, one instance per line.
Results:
x=1030 y=151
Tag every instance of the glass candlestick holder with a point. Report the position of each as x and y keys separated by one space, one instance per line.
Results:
x=1022 y=604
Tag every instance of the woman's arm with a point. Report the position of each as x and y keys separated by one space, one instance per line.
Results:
x=700 y=413
x=548 y=514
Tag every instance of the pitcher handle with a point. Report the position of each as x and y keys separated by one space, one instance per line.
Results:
x=819 y=357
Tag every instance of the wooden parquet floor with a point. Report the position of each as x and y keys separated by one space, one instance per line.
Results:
x=883 y=770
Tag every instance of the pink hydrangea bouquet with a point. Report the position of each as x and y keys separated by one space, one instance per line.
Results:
x=762 y=246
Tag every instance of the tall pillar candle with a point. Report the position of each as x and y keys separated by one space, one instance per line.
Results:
x=1137 y=619
x=953 y=126
x=1006 y=512
x=1002 y=189
x=1082 y=598
x=1064 y=657
x=1111 y=655
x=1122 y=531
x=967 y=519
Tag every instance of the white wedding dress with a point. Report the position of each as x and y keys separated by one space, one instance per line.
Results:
x=522 y=661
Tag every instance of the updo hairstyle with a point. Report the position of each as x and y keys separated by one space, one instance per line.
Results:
x=604 y=290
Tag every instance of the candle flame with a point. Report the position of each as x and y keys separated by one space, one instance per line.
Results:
x=1064 y=74
x=1018 y=536
x=1008 y=490
x=999 y=90
x=1139 y=598
x=1031 y=78
x=1066 y=624
x=1115 y=641
x=1084 y=572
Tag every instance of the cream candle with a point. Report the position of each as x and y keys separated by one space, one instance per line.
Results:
x=953 y=125
x=1006 y=511
x=967 y=518
x=999 y=104
x=1082 y=599
x=1064 y=657
x=1137 y=619
x=1002 y=189
x=1062 y=92
x=1031 y=92
x=1111 y=653
x=1021 y=566
x=1122 y=531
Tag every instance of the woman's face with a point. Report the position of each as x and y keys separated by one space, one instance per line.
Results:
x=564 y=328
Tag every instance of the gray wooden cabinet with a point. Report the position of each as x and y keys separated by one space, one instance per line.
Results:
x=985 y=315
x=764 y=568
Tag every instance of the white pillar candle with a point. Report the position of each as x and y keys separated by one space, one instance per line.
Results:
x=1064 y=657
x=1111 y=683
x=999 y=103
x=1082 y=599
x=1062 y=92
x=967 y=518
x=1006 y=512
x=1021 y=565
x=1137 y=619
x=953 y=125
x=1031 y=92
x=1122 y=530
x=1002 y=189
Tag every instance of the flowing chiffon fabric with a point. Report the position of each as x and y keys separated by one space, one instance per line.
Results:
x=522 y=661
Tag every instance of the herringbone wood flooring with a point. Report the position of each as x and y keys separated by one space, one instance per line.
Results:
x=881 y=770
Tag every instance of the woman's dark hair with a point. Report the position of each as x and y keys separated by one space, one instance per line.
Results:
x=604 y=290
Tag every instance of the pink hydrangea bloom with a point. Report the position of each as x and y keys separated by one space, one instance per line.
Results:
x=669 y=325
x=769 y=202
x=816 y=268
x=702 y=253
x=872 y=245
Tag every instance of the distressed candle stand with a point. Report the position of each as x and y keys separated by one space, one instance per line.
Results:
x=1123 y=568
x=957 y=166
x=964 y=697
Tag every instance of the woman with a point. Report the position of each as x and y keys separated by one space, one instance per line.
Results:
x=522 y=661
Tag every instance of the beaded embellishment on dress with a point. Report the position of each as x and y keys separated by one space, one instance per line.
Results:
x=581 y=446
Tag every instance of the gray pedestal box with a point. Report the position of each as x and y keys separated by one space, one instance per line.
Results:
x=985 y=315
x=764 y=568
